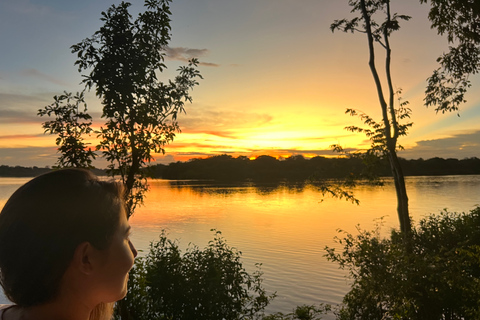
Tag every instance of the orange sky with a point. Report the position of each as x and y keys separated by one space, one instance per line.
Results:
x=276 y=80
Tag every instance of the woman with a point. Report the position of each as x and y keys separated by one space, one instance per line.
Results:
x=65 y=251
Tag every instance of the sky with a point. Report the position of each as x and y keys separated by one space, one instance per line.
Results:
x=276 y=81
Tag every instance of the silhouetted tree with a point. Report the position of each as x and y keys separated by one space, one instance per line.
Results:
x=459 y=20
x=123 y=59
x=383 y=135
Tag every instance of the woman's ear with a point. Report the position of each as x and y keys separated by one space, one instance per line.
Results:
x=83 y=258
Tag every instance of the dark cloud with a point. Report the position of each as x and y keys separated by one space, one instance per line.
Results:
x=19 y=108
x=10 y=100
x=36 y=156
x=185 y=54
x=459 y=146
x=18 y=116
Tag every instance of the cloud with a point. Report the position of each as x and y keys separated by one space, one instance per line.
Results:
x=10 y=116
x=36 y=156
x=20 y=108
x=324 y=152
x=185 y=54
x=163 y=159
x=221 y=122
x=221 y=134
x=11 y=100
x=459 y=146
x=28 y=156
x=204 y=145
x=34 y=73
x=20 y=136
x=204 y=149
x=24 y=102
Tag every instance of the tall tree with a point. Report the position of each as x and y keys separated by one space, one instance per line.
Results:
x=459 y=20
x=384 y=135
x=122 y=61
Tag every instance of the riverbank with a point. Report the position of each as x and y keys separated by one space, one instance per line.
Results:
x=267 y=168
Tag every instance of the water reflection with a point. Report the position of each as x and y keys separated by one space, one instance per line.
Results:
x=261 y=188
x=284 y=225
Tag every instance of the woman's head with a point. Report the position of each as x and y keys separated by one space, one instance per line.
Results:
x=42 y=224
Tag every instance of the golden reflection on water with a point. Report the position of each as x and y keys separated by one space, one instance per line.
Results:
x=285 y=227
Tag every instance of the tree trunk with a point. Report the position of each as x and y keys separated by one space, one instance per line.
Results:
x=391 y=125
x=134 y=168
x=401 y=190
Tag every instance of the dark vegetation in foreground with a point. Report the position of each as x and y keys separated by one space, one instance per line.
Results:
x=198 y=284
x=298 y=168
x=267 y=168
x=436 y=277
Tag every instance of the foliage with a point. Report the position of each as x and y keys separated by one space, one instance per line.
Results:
x=122 y=61
x=70 y=124
x=384 y=136
x=438 y=278
x=303 y=312
x=375 y=132
x=459 y=20
x=205 y=284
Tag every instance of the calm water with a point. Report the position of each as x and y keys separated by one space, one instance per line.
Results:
x=284 y=227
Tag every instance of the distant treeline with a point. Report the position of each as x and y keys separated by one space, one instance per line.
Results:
x=267 y=168
x=18 y=171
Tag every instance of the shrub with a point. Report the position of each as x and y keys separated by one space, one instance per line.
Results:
x=303 y=312
x=200 y=284
x=438 y=277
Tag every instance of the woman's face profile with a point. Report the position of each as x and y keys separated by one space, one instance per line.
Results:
x=117 y=260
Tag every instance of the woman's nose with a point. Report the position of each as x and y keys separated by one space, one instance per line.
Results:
x=132 y=247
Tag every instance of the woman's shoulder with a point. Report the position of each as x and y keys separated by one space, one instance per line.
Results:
x=4 y=307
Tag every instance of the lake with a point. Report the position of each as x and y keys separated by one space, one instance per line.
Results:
x=284 y=227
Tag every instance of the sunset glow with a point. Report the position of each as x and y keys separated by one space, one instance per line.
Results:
x=276 y=80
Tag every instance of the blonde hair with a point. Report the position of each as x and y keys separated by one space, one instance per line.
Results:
x=103 y=311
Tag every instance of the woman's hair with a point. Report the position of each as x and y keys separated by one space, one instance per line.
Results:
x=42 y=224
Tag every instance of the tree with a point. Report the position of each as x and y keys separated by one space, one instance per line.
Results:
x=437 y=278
x=459 y=20
x=123 y=60
x=384 y=135
x=70 y=124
